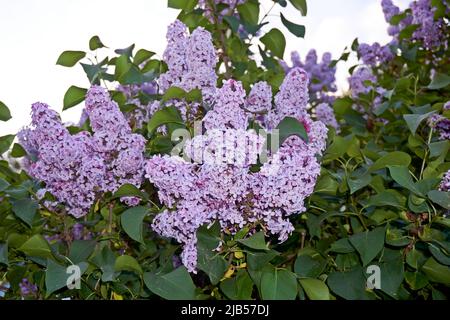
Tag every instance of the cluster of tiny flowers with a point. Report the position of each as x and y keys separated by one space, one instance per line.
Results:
x=27 y=288
x=445 y=183
x=142 y=112
x=76 y=168
x=205 y=190
x=374 y=54
x=321 y=75
x=325 y=114
x=358 y=81
x=191 y=62
x=430 y=32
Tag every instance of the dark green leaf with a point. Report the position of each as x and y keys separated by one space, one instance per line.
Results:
x=315 y=289
x=5 y=142
x=350 y=285
x=442 y=198
x=141 y=56
x=128 y=263
x=249 y=12
x=5 y=114
x=70 y=58
x=413 y=120
x=402 y=176
x=95 y=43
x=256 y=241
x=37 y=246
x=290 y=126
x=73 y=96
x=25 y=209
x=4 y=253
x=187 y=5
x=278 y=284
x=439 y=81
x=132 y=222
x=295 y=29
x=239 y=287
x=275 y=42
x=396 y=158
x=18 y=151
x=164 y=116
x=300 y=5
x=368 y=243
x=80 y=250
x=176 y=285
x=437 y=272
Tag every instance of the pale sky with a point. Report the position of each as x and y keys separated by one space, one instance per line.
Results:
x=34 y=32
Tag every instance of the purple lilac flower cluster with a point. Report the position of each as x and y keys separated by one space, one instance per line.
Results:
x=445 y=183
x=191 y=61
x=76 y=168
x=430 y=31
x=321 y=75
x=27 y=288
x=375 y=54
x=201 y=193
x=359 y=81
x=325 y=114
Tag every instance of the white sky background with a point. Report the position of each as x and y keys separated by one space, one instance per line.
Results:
x=34 y=32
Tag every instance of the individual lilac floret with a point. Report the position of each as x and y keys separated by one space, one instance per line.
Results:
x=325 y=114
x=358 y=81
x=445 y=183
x=374 y=55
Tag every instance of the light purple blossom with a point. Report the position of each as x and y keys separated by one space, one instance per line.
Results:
x=374 y=55
x=360 y=81
x=445 y=183
x=325 y=114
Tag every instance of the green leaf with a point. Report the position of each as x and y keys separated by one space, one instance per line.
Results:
x=368 y=243
x=396 y=158
x=439 y=81
x=25 y=209
x=239 y=287
x=122 y=66
x=18 y=151
x=295 y=29
x=37 y=246
x=105 y=260
x=70 y=58
x=278 y=284
x=437 y=272
x=359 y=183
x=257 y=241
x=315 y=289
x=127 y=52
x=132 y=222
x=391 y=276
x=213 y=264
x=439 y=148
x=128 y=263
x=141 y=56
x=3 y=184
x=80 y=250
x=258 y=260
x=5 y=114
x=164 y=116
x=129 y=190
x=55 y=277
x=187 y=5
x=413 y=120
x=5 y=142
x=350 y=285
x=342 y=246
x=402 y=176
x=176 y=285
x=95 y=43
x=233 y=22
x=439 y=255
x=73 y=96
x=442 y=198
x=387 y=198
x=290 y=126
x=249 y=12
x=173 y=93
x=310 y=266
x=4 y=253
x=275 y=42
x=300 y=5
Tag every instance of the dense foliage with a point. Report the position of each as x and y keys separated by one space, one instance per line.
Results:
x=149 y=203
